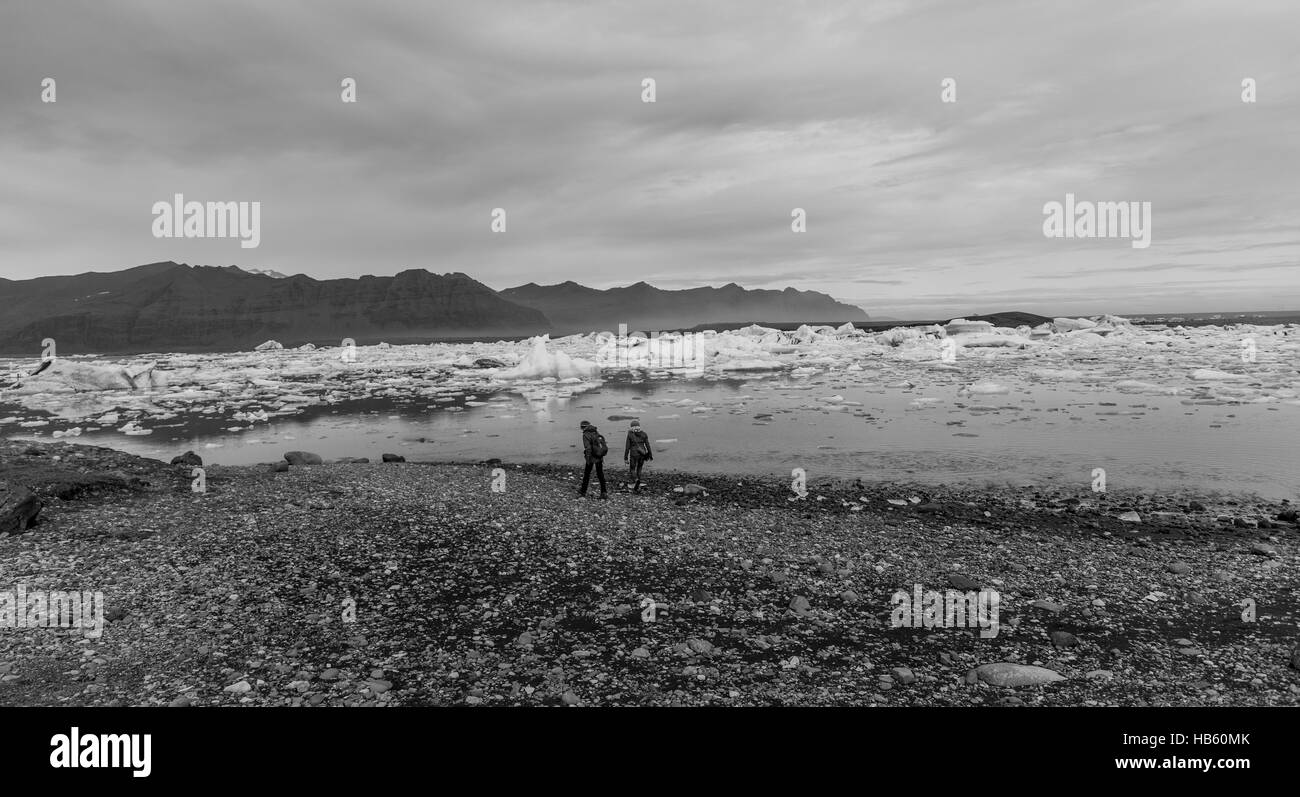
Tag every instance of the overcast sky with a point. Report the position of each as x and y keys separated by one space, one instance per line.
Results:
x=915 y=207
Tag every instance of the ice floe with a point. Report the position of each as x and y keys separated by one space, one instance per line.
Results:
x=1078 y=356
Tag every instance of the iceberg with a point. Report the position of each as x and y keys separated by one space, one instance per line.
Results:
x=63 y=376
x=1072 y=324
x=541 y=363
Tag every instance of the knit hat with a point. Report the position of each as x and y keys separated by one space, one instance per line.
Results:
x=636 y=423
x=584 y=424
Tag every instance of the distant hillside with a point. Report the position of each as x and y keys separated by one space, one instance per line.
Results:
x=1011 y=318
x=576 y=308
x=174 y=307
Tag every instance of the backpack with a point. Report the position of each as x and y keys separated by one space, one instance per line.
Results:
x=640 y=442
x=598 y=447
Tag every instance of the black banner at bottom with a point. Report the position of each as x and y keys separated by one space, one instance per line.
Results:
x=147 y=747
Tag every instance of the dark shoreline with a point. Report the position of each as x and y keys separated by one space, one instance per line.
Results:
x=466 y=596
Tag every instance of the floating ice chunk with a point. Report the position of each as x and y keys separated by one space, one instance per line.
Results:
x=133 y=428
x=1211 y=375
x=64 y=375
x=848 y=330
x=750 y=364
x=1057 y=374
x=667 y=440
x=1085 y=337
x=959 y=326
x=1136 y=386
x=73 y=432
x=991 y=339
x=899 y=336
x=833 y=399
x=1071 y=324
x=986 y=389
x=542 y=363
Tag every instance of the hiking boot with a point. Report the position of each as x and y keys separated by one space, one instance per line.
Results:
x=604 y=496
x=581 y=494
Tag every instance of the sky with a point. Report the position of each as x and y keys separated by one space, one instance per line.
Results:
x=915 y=207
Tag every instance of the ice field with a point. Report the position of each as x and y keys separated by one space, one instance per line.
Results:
x=1201 y=407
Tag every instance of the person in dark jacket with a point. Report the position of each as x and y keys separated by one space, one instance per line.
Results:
x=591 y=440
x=636 y=451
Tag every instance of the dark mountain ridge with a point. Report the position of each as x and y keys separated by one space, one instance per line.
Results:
x=174 y=307
x=162 y=307
x=576 y=308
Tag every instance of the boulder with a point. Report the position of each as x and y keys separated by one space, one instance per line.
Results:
x=270 y=345
x=394 y=458
x=488 y=362
x=18 y=508
x=963 y=583
x=1063 y=639
x=302 y=458
x=189 y=458
x=1007 y=674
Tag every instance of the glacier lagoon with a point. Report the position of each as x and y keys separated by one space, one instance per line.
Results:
x=1204 y=408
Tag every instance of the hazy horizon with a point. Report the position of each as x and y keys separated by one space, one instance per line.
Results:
x=916 y=208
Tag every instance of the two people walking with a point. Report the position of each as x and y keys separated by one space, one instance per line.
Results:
x=636 y=452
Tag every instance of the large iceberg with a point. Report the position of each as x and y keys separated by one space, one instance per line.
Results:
x=64 y=376
x=540 y=363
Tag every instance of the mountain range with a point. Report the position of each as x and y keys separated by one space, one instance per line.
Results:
x=576 y=308
x=169 y=306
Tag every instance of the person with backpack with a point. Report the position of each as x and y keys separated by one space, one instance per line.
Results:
x=635 y=452
x=594 y=450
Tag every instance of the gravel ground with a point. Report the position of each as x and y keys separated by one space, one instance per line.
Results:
x=242 y=595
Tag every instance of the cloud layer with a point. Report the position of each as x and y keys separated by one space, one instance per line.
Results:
x=916 y=208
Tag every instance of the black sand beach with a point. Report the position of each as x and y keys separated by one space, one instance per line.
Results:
x=530 y=596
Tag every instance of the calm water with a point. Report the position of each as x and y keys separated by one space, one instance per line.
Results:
x=1037 y=434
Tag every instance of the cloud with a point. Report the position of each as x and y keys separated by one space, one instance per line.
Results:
x=761 y=108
